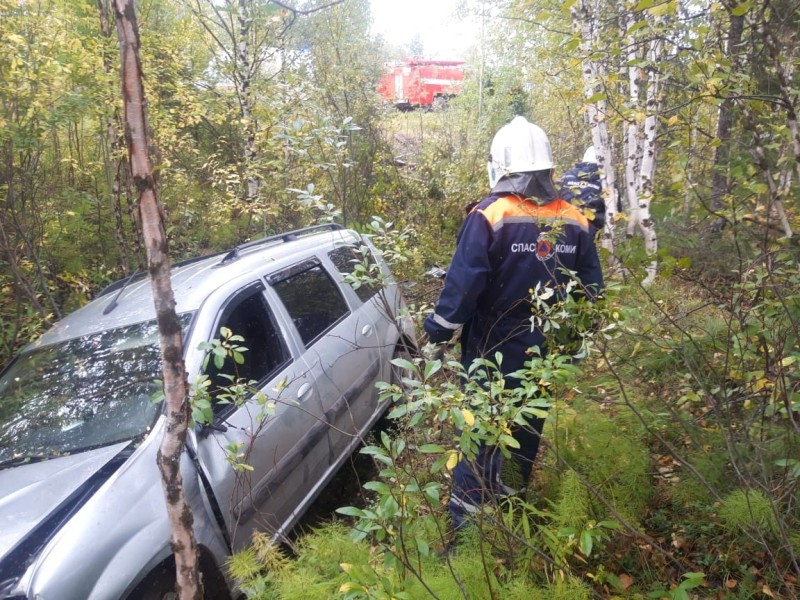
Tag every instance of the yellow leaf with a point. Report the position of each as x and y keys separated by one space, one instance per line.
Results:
x=346 y=567
x=766 y=591
x=452 y=460
x=762 y=383
x=673 y=120
x=469 y=418
x=660 y=10
x=346 y=587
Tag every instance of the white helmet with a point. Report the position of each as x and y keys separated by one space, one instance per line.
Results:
x=589 y=156
x=518 y=147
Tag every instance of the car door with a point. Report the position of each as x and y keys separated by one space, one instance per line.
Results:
x=260 y=466
x=340 y=346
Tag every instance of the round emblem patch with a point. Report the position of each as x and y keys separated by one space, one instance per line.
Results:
x=544 y=249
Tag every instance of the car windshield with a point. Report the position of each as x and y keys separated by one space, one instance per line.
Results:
x=80 y=394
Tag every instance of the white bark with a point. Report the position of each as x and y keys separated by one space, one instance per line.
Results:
x=640 y=159
x=594 y=73
x=633 y=140
x=648 y=162
x=243 y=80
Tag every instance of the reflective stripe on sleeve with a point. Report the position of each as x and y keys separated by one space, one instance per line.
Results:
x=439 y=320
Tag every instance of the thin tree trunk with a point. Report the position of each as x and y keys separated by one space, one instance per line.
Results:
x=114 y=165
x=253 y=184
x=633 y=137
x=719 y=179
x=783 y=82
x=647 y=167
x=188 y=584
x=775 y=202
x=593 y=75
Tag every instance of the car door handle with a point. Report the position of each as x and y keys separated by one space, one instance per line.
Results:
x=304 y=391
x=366 y=330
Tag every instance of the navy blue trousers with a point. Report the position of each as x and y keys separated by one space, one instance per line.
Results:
x=478 y=481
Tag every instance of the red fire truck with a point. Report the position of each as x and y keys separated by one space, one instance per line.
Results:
x=417 y=82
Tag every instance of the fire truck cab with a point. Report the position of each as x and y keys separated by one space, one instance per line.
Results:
x=421 y=83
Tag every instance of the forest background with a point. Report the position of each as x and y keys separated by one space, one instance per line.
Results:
x=672 y=465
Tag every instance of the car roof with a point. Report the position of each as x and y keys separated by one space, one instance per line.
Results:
x=122 y=303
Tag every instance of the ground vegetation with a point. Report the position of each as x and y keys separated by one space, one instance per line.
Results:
x=672 y=460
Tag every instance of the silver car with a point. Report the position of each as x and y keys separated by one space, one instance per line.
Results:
x=82 y=513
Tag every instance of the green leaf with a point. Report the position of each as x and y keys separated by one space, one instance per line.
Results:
x=636 y=27
x=350 y=511
x=742 y=9
x=377 y=486
x=432 y=367
x=423 y=547
x=431 y=449
x=404 y=363
x=586 y=543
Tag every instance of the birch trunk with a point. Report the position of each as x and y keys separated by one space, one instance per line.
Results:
x=188 y=584
x=594 y=73
x=640 y=137
x=647 y=169
x=632 y=139
x=244 y=77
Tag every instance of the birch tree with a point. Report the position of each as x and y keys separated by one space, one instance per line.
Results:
x=642 y=123
x=188 y=584
x=248 y=39
x=594 y=67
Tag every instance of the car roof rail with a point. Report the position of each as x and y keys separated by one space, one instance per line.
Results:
x=282 y=238
x=228 y=256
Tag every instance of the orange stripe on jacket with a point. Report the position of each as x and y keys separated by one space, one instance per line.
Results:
x=513 y=209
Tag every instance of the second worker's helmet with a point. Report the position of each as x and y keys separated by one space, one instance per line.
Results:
x=518 y=147
x=590 y=156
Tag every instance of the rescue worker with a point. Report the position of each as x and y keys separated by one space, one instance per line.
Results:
x=583 y=182
x=503 y=251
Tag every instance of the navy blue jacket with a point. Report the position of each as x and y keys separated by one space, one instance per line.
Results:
x=584 y=184
x=501 y=254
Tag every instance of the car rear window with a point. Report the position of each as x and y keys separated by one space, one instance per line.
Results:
x=313 y=300
x=359 y=268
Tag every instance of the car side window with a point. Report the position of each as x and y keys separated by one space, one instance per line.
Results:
x=248 y=315
x=312 y=298
x=350 y=260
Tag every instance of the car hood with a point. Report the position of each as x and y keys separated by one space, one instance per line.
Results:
x=32 y=492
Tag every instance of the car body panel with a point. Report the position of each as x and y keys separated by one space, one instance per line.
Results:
x=325 y=400
x=32 y=490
